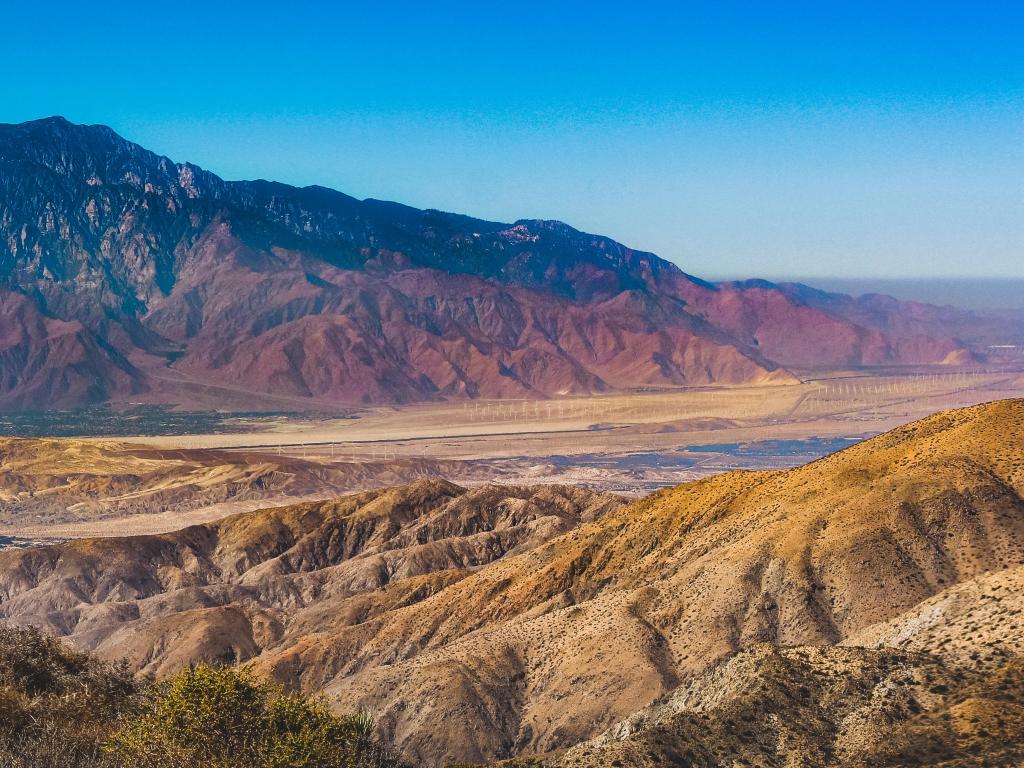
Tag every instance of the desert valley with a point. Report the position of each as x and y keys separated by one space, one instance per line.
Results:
x=511 y=491
x=863 y=609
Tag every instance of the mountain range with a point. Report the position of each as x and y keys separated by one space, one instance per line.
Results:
x=127 y=277
x=862 y=610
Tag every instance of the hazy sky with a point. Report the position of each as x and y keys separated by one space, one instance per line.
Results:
x=754 y=139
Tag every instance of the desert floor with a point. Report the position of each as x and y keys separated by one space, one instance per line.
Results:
x=627 y=443
x=620 y=438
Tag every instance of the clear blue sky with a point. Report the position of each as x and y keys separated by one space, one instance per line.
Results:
x=754 y=139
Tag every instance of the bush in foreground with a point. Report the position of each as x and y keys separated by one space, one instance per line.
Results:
x=223 y=718
x=61 y=708
x=56 y=705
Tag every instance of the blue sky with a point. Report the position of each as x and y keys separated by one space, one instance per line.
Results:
x=738 y=139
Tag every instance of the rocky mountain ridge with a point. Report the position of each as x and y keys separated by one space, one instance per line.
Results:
x=531 y=620
x=127 y=277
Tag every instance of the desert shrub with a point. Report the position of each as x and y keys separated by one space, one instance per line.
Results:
x=60 y=708
x=224 y=718
x=64 y=709
x=41 y=668
x=51 y=745
x=56 y=705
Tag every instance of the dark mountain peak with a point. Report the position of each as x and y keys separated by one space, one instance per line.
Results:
x=92 y=155
x=54 y=122
x=59 y=132
x=550 y=225
x=309 y=292
x=96 y=155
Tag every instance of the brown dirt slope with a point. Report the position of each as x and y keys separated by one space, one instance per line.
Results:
x=541 y=650
x=824 y=707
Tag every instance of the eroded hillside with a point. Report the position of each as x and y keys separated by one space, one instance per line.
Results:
x=535 y=619
x=53 y=481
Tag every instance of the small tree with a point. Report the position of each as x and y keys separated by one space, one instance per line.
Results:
x=223 y=718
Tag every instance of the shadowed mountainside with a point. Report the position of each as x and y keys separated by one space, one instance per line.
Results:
x=128 y=277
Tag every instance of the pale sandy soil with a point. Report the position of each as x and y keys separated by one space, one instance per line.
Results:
x=626 y=443
x=833 y=404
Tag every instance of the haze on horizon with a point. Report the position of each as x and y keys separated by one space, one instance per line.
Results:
x=810 y=140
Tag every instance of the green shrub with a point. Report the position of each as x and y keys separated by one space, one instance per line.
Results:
x=63 y=709
x=224 y=718
x=56 y=705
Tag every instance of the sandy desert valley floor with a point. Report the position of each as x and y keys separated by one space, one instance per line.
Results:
x=628 y=443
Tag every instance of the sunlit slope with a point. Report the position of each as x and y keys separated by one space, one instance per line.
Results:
x=535 y=620
x=550 y=647
x=941 y=684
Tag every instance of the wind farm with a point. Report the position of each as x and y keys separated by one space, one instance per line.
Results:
x=633 y=441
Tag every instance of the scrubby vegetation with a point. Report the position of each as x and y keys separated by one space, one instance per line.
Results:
x=62 y=708
x=524 y=762
x=57 y=707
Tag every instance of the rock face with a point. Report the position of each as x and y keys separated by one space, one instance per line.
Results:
x=533 y=619
x=124 y=275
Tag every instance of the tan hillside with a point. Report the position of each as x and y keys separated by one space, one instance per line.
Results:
x=979 y=623
x=824 y=707
x=63 y=480
x=407 y=604
x=942 y=684
x=590 y=627
x=230 y=589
